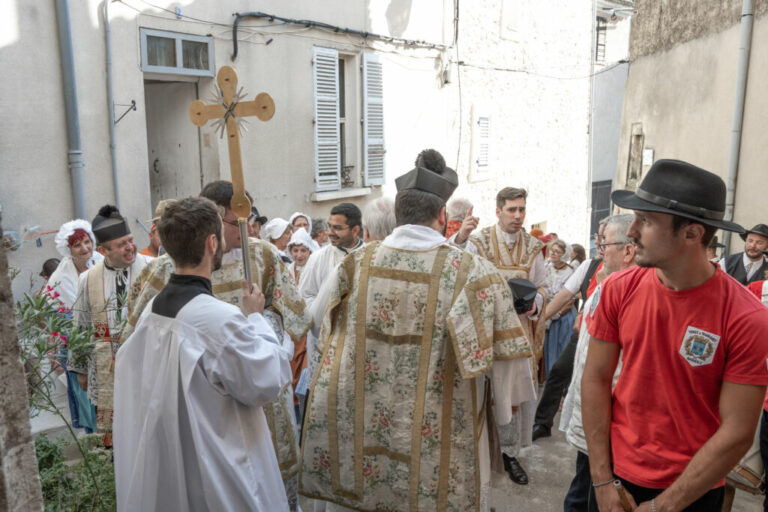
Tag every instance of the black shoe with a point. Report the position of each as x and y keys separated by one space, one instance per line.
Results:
x=516 y=472
x=541 y=431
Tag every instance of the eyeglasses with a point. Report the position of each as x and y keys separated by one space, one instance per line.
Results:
x=234 y=222
x=603 y=246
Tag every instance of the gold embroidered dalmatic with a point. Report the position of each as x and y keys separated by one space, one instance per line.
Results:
x=393 y=420
x=514 y=263
x=283 y=298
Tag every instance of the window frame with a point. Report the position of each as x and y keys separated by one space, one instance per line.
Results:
x=178 y=38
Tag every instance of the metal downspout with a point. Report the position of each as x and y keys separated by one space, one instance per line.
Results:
x=74 y=145
x=742 y=72
x=111 y=104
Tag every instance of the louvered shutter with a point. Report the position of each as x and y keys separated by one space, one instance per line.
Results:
x=483 y=142
x=327 y=141
x=373 y=119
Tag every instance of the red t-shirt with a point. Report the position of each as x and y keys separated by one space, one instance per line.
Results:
x=677 y=348
x=757 y=289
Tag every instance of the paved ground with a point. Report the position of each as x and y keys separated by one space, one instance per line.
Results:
x=550 y=463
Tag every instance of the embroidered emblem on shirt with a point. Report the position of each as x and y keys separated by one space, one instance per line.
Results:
x=698 y=347
x=595 y=300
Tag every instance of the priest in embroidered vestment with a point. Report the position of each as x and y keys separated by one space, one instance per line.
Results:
x=395 y=419
x=191 y=383
x=285 y=310
x=515 y=254
x=101 y=293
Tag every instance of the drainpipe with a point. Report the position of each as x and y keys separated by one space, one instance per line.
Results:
x=74 y=146
x=745 y=42
x=111 y=103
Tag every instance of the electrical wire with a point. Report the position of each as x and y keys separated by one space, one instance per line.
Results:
x=534 y=73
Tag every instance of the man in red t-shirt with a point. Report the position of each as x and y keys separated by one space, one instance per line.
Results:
x=694 y=354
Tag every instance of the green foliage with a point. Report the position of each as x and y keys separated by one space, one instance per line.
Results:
x=71 y=487
x=48 y=335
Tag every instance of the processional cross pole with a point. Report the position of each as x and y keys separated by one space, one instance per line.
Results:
x=230 y=112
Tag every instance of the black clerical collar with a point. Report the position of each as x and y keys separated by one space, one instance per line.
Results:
x=179 y=291
x=347 y=251
x=113 y=269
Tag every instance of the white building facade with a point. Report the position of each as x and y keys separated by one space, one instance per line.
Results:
x=500 y=87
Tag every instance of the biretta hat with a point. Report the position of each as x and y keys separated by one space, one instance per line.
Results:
x=109 y=225
x=679 y=188
x=430 y=175
x=759 y=229
x=524 y=293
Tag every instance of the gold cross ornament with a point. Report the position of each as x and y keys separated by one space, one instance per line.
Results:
x=231 y=111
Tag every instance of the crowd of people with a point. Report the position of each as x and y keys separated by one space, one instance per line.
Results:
x=394 y=358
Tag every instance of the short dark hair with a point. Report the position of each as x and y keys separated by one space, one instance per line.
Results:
x=508 y=194
x=351 y=212
x=49 y=267
x=679 y=222
x=221 y=192
x=413 y=206
x=184 y=227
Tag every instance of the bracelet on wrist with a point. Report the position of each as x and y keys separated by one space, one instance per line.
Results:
x=603 y=483
x=653 y=505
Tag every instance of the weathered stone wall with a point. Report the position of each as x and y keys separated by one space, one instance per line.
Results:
x=19 y=480
x=659 y=25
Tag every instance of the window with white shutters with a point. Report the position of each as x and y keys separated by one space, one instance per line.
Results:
x=482 y=143
x=327 y=141
x=373 y=120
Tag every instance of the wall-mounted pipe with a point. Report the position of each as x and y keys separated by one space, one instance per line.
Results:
x=74 y=145
x=742 y=72
x=111 y=104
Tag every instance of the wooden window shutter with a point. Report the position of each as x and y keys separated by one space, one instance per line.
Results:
x=373 y=120
x=483 y=143
x=327 y=141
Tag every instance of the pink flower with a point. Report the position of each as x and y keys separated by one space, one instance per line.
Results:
x=367 y=471
x=55 y=294
x=55 y=334
x=482 y=295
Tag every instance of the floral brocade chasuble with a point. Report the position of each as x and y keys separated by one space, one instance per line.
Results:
x=514 y=263
x=393 y=419
x=272 y=276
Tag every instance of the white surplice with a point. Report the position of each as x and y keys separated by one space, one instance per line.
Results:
x=189 y=428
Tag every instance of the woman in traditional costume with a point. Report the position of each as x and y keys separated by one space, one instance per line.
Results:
x=561 y=324
x=75 y=242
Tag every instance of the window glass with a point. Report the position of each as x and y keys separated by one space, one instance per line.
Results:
x=161 y=51
x=194 y=54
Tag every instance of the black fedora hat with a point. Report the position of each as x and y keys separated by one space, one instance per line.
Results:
x=759 y=229
x=679 y=188
x=715 y=244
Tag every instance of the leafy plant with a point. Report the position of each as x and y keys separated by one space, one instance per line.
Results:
x=70 y=487
x=48 y=339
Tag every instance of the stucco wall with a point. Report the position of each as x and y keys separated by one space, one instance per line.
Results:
x=538 y=98
x=684 y=99
x=659 y=25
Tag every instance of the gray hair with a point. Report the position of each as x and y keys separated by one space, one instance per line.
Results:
x=620 y=225
x=379 y=218
x=318 y=226
x=457 y=208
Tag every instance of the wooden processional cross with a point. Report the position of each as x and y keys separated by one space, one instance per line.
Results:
x=230 y=111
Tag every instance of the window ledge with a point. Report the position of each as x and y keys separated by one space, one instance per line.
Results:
x=344 y=193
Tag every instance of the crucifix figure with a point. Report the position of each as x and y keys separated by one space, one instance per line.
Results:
x=231 y=110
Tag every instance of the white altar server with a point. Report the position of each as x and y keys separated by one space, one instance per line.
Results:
x=190 y=382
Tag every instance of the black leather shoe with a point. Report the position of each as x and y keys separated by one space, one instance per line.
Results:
x=516 y=472
x=541 y=431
